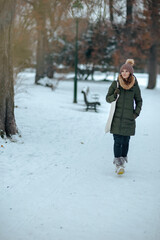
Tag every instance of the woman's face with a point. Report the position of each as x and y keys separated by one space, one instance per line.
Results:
x=125 y=74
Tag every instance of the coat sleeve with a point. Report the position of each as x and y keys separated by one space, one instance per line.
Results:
x=110 y=95
x=138 y=101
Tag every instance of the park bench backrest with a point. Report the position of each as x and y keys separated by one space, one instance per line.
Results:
x=85 y=97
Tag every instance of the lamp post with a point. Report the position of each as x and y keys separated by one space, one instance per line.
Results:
x=76 y=63
x=76 y=7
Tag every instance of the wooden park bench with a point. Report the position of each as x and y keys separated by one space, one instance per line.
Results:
x=90 y=104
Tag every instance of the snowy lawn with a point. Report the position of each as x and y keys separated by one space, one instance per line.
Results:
x=58 y=180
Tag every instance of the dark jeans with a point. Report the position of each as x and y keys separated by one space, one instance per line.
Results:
x=121 y=145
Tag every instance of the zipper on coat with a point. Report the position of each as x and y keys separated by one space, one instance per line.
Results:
x=122 y=110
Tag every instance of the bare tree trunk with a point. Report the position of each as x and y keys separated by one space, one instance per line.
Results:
x=40 y=63
x=123 y=33
x=129 y=10
x=128 y=30
x=7 y=119
x=111 y=10
x=49 y=71
x=44 y=66
x=49 y=65
x=152 y=67
x=40 y=15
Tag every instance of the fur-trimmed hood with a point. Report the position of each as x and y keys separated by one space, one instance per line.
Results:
x=124 y=85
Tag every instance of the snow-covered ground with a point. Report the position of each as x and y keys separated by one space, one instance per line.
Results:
x=57 y=182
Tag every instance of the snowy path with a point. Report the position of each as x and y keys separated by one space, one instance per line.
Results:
x=58 y=180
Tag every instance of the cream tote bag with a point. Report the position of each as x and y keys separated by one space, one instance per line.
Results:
x=111 y=113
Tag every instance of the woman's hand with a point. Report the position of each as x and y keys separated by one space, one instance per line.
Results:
x=116 y=92
x=135 y=115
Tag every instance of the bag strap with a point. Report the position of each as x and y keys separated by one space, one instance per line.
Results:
x=117 y=87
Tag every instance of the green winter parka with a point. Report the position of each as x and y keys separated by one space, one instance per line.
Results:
x=128 y=106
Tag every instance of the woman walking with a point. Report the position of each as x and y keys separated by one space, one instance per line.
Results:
x=128 y=107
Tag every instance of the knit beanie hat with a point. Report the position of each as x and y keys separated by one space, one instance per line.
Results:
x=128 y=66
